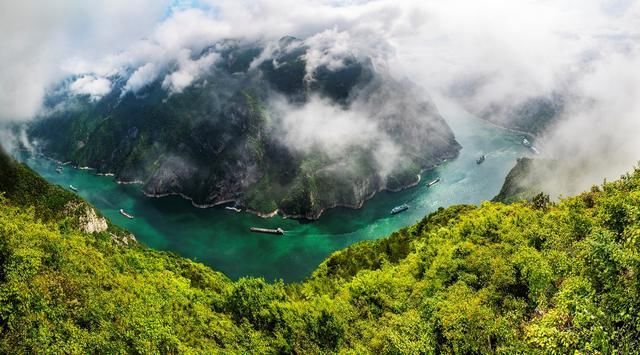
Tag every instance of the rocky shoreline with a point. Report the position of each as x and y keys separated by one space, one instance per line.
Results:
x=270 y=214
x=309 y=217
x=277 y=211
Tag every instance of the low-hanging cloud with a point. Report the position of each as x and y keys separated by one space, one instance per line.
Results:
x=322 y=126
x=519 y=48
x=511 y=50
x=38 y=37
x=188 y=71
x=595 y=138
x=93 y=86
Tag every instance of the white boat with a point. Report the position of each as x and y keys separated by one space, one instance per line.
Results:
x=278 y=231
x=400 y=208
x=73 y=188
x=433 y=182
x=122 y=212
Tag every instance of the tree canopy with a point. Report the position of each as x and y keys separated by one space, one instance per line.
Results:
x=519 y=278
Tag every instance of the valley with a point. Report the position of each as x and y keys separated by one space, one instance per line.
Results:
x=221 y=239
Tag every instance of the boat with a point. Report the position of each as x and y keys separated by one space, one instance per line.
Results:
x=527 y=143
x=403 y=207
x=234 y=209
x=433 y=182
x=59 y=170
x=481 y=159
x=122 y=212
x=73 y=188
x=278 y=231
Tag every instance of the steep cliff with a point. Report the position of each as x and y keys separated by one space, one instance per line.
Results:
x=259 y=128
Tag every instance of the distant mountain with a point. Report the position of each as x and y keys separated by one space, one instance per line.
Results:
x=531 y=115
x=240 y=132
x=525 y=180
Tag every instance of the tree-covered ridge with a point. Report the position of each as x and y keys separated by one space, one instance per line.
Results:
x=235 y=133
x=519 y=278
x=22 y=187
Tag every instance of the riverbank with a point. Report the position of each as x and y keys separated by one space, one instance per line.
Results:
x=223 y=241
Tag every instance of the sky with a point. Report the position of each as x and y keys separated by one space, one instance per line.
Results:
x=588 y=49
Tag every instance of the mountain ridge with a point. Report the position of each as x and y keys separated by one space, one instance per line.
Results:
x=257 y=131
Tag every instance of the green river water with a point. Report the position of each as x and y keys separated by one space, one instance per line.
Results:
x=221 y=238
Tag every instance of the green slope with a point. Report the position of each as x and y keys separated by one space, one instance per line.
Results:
x=502 y=278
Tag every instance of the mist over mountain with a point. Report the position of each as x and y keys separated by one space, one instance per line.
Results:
x=556 y=75
x=293 y=107
x=285 y=125
x=535 y=73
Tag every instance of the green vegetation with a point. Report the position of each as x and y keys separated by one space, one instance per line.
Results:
x=221 y=140
x=25 y=188
x=22 y=187
x=521 y=278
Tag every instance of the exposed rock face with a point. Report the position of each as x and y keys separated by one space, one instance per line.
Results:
x=223 y=139
x=91 y=223
x=124 y=239
x=87 y=219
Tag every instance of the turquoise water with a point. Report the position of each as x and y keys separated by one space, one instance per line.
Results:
x=221 y=238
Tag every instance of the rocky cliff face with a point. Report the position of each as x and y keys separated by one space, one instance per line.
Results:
x=88 y=219
x=259 y=130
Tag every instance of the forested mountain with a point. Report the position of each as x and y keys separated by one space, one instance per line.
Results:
x=260 y=126
x=519 y=278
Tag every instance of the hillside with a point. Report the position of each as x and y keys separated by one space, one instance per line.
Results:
x=22 y=187
x=519 y=278
x=258 y=128
x=525 y=180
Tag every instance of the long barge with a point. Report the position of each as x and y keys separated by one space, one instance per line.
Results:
x=278 y=231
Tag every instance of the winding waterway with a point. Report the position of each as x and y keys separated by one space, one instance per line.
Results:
x=221 y=239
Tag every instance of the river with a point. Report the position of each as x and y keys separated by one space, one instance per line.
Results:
x=221 y=239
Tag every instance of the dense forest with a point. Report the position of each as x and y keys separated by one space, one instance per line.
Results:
x=528 y=277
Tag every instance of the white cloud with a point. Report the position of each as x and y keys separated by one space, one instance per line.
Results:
x=38 y=36
x=188 y=71
x=93 y=86
x=321 y=126
x=142 y=77
x=518 y=49
x=597 y=135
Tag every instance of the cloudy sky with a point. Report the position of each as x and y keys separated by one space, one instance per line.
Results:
x=525 y=45
x=517 y=49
